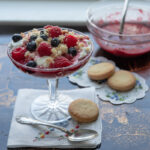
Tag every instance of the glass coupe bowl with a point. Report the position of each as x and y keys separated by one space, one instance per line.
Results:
x=52 y=107
x=104 y=23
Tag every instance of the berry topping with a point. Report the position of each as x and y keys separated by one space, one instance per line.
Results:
x=48 y=27
x=31 y=46
x=32 y=38
x=18 y=54
x=55 y=42
x=16 y=37
x=41 y=32
x=72 y=51
x=70 y=41
x=61 y=62
x=68 y=56
x=55 y=31
x=50 y=46
x=44 y=37
x=31 y=64
x=44 y=49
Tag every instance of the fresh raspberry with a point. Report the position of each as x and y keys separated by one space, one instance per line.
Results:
x=55 y=31
x=18 y=54
x=61 y=62
x=44 y=49
x=70 y=41
x=47 y=27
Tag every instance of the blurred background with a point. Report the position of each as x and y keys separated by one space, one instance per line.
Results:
x=22 y=15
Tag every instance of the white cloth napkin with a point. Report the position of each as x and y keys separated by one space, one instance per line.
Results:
x=39 y=136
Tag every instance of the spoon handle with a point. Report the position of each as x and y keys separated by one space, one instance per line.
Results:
x=124 y=12
x=27 y=120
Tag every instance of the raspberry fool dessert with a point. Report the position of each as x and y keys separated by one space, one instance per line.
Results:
x=40 y=50
x=51 y=52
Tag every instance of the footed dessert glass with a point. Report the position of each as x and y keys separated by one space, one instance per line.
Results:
x=52 y=107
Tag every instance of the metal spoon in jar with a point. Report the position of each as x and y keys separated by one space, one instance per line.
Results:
x=77 y=135
x=123 y=16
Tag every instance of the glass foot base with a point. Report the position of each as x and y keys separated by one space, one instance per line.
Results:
x=51 y=111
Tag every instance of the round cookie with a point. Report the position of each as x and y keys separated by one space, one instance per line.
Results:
x=122 y=81
x=101 y=71
x=83 y=110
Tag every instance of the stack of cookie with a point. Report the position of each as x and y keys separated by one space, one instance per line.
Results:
x=121 y=80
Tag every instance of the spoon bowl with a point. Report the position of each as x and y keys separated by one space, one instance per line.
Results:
x=82 y=135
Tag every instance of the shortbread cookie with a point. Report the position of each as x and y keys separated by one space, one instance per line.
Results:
x=83 y=110
x=122 y=81
x=101 y=71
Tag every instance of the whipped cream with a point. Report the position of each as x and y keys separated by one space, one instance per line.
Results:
x=85 y=49
x=16 y=44
x=43 y=61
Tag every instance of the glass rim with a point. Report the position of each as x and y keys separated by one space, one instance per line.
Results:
x=53 y=69
x=89 y=19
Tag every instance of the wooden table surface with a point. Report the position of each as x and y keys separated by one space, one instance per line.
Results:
x=125 y=127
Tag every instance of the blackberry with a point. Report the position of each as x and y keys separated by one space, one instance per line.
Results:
x=41 y=32
x=16 y=37
x=72 y=51
x=44 y=37
x=31 y=64
x=33 y=37
x=55 y=42
x=31 y=46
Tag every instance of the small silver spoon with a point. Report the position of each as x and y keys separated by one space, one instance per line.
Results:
x=77 y=135
x=123 y=16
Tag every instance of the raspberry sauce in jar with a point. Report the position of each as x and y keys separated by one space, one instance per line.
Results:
x=134 y=41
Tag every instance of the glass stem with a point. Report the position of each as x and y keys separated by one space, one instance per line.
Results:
x=53 y=86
